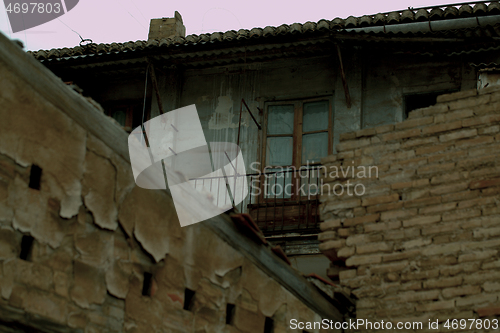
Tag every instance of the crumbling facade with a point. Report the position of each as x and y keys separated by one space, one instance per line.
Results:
x=355 y=73
x=83 y=249
x=422 y=242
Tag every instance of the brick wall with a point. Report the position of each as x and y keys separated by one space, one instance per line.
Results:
x=422 y=242
x=82 y=249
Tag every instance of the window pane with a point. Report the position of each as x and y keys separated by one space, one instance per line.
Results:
x=310 y=181
x=279 y=184
x=279 y=151
x=314 y=147
x=120 y=117
x=315 y=116
x=280 y=119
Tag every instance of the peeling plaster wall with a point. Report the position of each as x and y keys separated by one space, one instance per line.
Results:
x=96 y=234
x=389 y=78
x=217 y=93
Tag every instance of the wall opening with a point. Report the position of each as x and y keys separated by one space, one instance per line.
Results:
x=230 y=308
x=26 y=248
x=422 y=100
x=35 y=177
x=269 y=325
x=188 y=299
x=147 y=284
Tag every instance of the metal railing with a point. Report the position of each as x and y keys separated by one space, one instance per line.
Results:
x=280 y=201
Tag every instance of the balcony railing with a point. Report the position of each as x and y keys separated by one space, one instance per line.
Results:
x=280 y=200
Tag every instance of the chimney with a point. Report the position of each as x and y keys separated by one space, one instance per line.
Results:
x=167 y=27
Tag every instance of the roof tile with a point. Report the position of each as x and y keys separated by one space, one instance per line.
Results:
x=403 y=16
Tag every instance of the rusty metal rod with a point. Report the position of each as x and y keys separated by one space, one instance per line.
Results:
x=344 y=80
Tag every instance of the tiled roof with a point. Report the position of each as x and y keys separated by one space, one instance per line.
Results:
x=337 y=25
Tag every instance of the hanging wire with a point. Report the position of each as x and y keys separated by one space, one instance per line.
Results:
x=144 y=102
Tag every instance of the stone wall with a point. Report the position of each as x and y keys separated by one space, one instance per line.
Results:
x=422 y=243
x=82 y=249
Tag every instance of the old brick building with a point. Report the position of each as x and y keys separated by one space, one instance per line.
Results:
x=303 y=85
x=291 y=96
x=422 y=243
x=83 y=249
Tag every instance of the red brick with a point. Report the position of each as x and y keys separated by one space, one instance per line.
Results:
x=361 y=220
x=363 y=260
x=413 y=183
x=474 y=142
x=485 y=183
x=401 y=134
x=469 y=102
x=422 y=202
x=488 y=120
x=380 y=200
x=353 y=144
x=457 y=135
x=435 y=109
x=366 y=132
x=455 y=155
x=487 y=311
x=421 y=220
x=347 y=136
x=443 y=282
x=449 y=177
x=476 y=202
x=384 y=207
x=432 y=149
x=382 y=226
x=419 y=142
x=442 y=127
x=384 y=129
x=435 y=168
x=437 y=208
x=397 y=214
x=460 y=196
x=461 y=214
x=461 y=291
x=447 y=189
x=414 y=123
x=456 y=95
x=373 y=248
x=435 y=306
x=363 y=239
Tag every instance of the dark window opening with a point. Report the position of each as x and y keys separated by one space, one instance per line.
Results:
x=188 y=299
x=147 y=284
x=269 y=325
x=35 y=177
x=129 y=113
x=423 y=100
x=230 y=308
x=26 y=248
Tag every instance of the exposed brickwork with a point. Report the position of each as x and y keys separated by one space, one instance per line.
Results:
x=423 y=241
x=79 y=240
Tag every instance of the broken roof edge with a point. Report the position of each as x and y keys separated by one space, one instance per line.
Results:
x=77 y=108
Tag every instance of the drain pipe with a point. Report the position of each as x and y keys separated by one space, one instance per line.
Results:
x=432 y=26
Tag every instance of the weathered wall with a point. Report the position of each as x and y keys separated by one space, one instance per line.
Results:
x=423 y=241
x=96 y=234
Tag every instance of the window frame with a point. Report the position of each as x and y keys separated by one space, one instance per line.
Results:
x=297 y=137
x=132 y=107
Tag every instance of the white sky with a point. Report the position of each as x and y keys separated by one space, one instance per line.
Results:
x=106 y=21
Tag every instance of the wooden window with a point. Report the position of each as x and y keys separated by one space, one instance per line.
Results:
x=128 y=113
x=297 y=134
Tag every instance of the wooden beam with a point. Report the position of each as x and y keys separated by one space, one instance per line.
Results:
x=155 y=86
x=344 y=80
